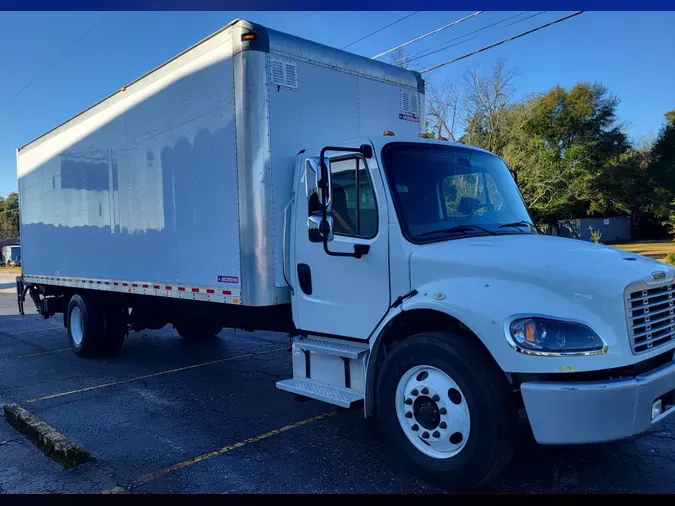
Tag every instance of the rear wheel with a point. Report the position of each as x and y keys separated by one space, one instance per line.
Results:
x=92 y=329
x=115 y=330
x=447 y=408
x=194 y=327
x=85 y=326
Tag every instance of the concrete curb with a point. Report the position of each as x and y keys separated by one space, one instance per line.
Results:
x=52 y=443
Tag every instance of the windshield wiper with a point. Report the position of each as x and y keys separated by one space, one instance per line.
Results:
x=458 y=228
x=517 y=224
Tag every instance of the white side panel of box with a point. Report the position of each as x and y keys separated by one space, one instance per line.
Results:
x=321 y=106
x=145 y=187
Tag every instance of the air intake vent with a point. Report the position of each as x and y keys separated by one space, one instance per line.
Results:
x=410 y=102
x=284 y=73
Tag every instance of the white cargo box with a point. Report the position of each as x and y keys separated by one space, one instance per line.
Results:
x=175 y=185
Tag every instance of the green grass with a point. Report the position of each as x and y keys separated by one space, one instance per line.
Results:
x=657 y=250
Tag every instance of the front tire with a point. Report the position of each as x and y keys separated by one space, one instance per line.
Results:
x=447 y=409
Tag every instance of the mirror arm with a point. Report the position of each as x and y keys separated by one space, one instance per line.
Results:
x=359 y=249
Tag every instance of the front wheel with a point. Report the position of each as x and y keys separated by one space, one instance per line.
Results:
x=447 y=408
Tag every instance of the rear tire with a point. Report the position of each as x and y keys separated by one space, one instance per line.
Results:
x=447 y=409
x=198 y=327
x=86 y=326
x=115 y=330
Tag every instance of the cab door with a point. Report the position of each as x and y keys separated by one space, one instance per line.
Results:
x=341 y=295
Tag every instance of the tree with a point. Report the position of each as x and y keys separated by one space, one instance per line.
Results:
x=566 y=146
x=662 y=172
x=487 y=105
x=442 y=110
x=400 y=58
x=9 y=217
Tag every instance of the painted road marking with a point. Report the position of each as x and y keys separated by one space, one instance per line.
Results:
x=152 y=375
x=60 y=350
x=185 y=463
x=46 y=329
x=48 y=352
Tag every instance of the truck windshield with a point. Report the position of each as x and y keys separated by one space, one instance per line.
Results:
x=443 y=192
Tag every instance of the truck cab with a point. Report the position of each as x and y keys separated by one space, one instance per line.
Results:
x=421 y=288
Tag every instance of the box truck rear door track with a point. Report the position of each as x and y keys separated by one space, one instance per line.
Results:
x=209 y=294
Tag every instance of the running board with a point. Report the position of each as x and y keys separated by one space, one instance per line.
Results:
x=349 y=350
x=332 y=394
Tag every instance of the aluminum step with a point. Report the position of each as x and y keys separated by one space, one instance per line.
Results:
x=320 y=391
x=332 y=347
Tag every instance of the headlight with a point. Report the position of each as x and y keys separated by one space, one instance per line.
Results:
x=541 y=335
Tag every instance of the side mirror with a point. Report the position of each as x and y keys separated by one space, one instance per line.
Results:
x=315 y=230
x=322 y=186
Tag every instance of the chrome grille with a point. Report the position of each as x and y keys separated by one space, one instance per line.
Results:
x=651 y=316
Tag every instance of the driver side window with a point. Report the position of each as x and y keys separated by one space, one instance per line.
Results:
x=354 y=210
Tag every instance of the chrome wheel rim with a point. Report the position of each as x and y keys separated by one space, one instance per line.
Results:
x=432 y=412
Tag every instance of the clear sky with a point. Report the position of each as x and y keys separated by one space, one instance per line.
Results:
x=53 y=65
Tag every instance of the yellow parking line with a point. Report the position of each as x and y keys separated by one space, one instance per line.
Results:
x=49 y=327
x=48 y=352
x=161 y=373
x=180 y=465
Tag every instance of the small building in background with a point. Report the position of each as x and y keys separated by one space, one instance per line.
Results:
x=10 y=252
x=614 y=229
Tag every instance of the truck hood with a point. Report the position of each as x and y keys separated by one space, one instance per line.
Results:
x=565 y=265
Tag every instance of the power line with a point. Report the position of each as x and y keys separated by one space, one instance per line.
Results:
x=428 y=52
x=427 y=34
x=54 y=62
x=501 y=42
x=378 y=31
x=525 y=19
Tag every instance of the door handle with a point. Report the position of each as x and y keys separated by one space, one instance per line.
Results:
x=361 y=249
x=305 y=278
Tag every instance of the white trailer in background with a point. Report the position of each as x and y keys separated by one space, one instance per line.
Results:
x=246 y=183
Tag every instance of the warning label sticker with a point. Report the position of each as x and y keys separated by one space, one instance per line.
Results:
x=228 y=279
x=408 y=116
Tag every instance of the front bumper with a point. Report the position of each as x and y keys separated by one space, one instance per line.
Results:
x=598 y=411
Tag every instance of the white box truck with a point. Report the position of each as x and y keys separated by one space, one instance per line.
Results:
x=262 y=181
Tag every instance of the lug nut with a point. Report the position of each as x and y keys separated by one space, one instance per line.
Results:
x=443 y=411
x=425 y=435
x=443 y=425
x=425 y=391
x=436 y=398
x=408 y=414
x=414 y=392
x=408 y=402
x=415 y=427
x=436 y=434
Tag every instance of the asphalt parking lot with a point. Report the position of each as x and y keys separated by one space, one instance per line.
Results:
x=171 y=416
